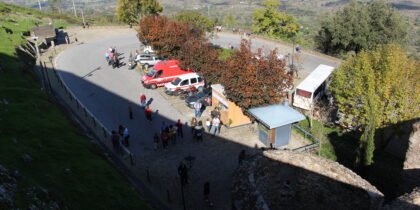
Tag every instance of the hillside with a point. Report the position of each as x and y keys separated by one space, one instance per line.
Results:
x=46 y=160
x=308 y=12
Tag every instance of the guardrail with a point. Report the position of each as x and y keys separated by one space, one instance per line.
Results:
x=121 y=157
x=316 y=143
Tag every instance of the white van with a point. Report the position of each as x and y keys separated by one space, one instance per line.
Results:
x=184 y=82
x=312 y=87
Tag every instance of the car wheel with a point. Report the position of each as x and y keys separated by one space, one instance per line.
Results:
x=177 y=92
x=153 y=86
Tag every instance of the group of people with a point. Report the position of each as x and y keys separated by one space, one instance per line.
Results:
x=120 y=138
x=111 y=57
x=197 y=128
x=168 y=133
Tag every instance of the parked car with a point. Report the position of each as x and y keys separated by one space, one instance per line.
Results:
x=147 y=60
x=166 y=72
x=203 y=96
x=184 y=82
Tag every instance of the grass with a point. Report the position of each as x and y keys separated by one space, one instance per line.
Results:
x=64 y=161
x=336 y=144
x=225 y=53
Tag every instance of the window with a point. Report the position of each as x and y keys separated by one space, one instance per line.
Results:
x=176 y=81
x=185 y=82
x=303 y=93
x=193 y=80
x=319 y=90
x=159 y=73
x=200 y=79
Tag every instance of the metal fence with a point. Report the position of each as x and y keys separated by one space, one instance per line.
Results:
x=53 y=83
x=315 y=142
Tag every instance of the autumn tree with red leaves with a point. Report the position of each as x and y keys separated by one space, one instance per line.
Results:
x=167 y=36
x=252 y=80
x=183 y=41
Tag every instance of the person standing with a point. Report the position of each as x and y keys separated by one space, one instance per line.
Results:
x=193 y=124
x=163 y=126
x=143 y=100
x=126 y=136
x=171 y=134
x=208 y=124
x=198 y=131
x=179 y=126
x=165 y=138
x=107 y=56
x=149 y=113
x=183 y=173
x=197 y=107
x=216 y=124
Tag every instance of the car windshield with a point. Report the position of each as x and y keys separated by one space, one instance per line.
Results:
x=151 y=72
x=201 y=95
x=176 y=82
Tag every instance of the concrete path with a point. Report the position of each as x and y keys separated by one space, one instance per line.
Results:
x=108 y=93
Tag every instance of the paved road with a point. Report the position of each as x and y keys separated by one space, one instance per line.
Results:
x=309 y=61
x=108 y=93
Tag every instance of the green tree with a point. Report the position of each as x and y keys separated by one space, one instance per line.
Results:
x=197 y=19
x=270 y=21
x=131 y=11
x=366 y=148
x=361 y=26
x=382 y=82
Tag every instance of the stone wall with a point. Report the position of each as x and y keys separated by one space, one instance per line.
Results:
x=294 y=180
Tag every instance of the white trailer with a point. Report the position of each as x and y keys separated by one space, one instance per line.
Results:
x=312 y=87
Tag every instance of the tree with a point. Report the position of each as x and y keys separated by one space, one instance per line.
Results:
x=131 y=11
x=270 y=21
x=365 y=152
x=361 y=26
x=382 y=82
x=252 y=80
x=166 y=36
x=197 y=19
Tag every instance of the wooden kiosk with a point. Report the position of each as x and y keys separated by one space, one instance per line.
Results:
x=230 y=114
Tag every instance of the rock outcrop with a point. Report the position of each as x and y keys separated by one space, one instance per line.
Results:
x=294 y=180
x=411 y=170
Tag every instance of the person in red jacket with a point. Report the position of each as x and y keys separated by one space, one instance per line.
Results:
x=143 y=100
x=149 y=113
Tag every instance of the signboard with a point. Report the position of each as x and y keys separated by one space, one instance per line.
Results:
x=220 y=99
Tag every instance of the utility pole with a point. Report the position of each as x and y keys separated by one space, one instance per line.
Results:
x=74 y=9
x=39 y=4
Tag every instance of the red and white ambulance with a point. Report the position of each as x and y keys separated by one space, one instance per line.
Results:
x=184 y=82
x=162 y=74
